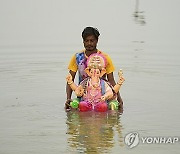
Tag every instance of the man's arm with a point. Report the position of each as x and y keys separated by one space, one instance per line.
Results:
x=69 y=90
x=110 y=78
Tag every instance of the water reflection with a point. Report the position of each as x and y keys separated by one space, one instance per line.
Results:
x=139 y=15
x=93 y=132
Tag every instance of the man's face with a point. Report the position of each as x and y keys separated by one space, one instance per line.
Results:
x=90 y=43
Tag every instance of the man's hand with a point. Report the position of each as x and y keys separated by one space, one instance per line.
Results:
x=120 y=106
x=67 y=105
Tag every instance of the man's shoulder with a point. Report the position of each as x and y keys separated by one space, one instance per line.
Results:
x=104 y=54
x=80 y=52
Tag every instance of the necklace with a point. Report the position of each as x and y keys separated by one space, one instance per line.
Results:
x=94 y=88
x=95 y=84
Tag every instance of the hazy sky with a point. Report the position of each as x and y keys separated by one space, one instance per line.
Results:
x=39 y=22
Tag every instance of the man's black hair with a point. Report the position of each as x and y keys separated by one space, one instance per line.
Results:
x=90 y=31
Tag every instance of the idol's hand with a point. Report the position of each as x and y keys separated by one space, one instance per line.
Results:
x=121 y=80
x=120 y=73
x=103 y=98
x=79 y=91
x=69 y=78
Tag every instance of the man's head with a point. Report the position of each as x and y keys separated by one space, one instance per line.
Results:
x=90 y=31
x=90 y=37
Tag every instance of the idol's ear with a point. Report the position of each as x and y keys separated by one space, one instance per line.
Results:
x=87 y=71
x=103 y=71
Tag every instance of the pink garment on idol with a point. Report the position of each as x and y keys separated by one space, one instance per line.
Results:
x=93 y=95
x=92 y=99
x=86 y=106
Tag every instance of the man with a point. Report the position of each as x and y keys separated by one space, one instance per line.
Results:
x=90 y=37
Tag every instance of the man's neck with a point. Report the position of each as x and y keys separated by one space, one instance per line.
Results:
x=88 y=53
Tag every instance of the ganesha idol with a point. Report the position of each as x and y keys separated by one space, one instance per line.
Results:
x=94 y=92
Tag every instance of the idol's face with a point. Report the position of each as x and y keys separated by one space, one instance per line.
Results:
x=94 y=73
